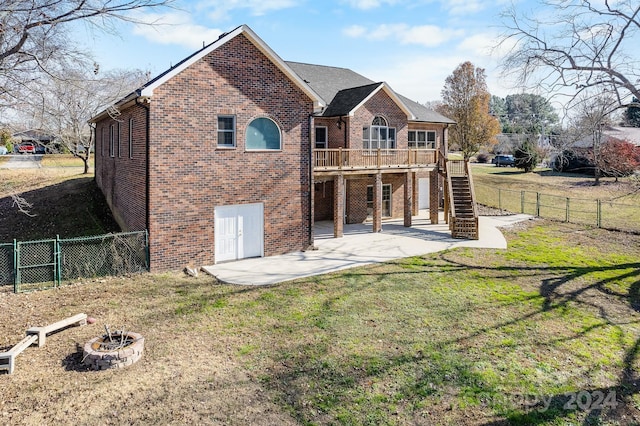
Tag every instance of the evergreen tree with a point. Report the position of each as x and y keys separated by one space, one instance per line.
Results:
x=632 y=115
x=527 y=156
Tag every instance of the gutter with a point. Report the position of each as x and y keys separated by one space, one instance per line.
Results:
x=311 y=184
x=147 y=166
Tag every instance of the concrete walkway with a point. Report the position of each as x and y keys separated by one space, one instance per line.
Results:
x=25 y=161
x=358 y=247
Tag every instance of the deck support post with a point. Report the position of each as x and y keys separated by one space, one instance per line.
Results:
x=408 y=198
x=434 y=196
x=377 y=203
x=338 y=206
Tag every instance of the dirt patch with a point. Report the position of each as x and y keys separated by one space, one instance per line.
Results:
x=71 y=208
x=184 y=376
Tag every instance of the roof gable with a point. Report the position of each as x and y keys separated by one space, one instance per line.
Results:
x=328 y=82
x=347 y=101
x=148 y=88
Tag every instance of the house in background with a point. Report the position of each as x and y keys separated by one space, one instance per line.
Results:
x=234 y=153
x=41 y=140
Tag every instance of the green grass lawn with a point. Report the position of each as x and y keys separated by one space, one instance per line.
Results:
x=459 y=337
x=546 y=332
x=64 y=160
x=551 y=195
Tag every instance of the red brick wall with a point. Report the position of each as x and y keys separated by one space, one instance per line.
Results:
x=356 y=208
x=190 y=175
x=122 y=178
x=357 y=196
x=380 y=104
x=335 y=134
x=323 y=201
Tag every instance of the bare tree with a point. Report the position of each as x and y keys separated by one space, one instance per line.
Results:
x=64 y=106
x=34 y=39
x=571 y=47
x=592 y=116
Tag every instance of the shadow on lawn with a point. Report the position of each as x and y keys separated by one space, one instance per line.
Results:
x=310 y=379
x=601 y=404
x=72 y=208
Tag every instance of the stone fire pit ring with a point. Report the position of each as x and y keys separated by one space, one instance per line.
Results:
x=117 y=350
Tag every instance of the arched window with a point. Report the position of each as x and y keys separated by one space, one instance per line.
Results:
x=263 y=133
x=378 y=135
x=379 y=121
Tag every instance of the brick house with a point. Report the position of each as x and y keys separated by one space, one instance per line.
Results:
x=234 y=153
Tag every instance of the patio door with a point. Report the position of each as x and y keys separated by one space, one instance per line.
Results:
x=423 y=193
x=386 y=201
x=239 y=231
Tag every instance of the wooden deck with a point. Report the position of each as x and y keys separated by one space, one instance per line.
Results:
x=326 y=160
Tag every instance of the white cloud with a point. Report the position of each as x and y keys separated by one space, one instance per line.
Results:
x=424 y=35
x=481 y=43
x=175 y=28
x=422 y=77
x=355 y=31
x=369 y=4
x=221 y=9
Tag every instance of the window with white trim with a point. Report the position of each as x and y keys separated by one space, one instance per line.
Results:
x=386 y=200
x=226 y=131
x=131 y=137
x=119 y=147
x=112 y=136
x=321 y=137
x=378 y=135
x=263 y=134
x=422 y=139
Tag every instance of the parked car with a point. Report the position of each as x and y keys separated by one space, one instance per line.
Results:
x=27 y=148
x=504 y=160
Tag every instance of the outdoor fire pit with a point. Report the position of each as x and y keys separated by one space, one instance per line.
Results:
x=116 y=349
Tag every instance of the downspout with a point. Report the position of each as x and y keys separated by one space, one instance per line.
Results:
x=311 y=183
x=147 y=173
x=95 y=150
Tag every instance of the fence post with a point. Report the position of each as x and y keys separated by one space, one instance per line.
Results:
x=146 y=248
x=58 y=262
x=567 y=212
x=522 y=202
x=599 y=213
x=16 y=276
x=537 y=204
x=499 y=198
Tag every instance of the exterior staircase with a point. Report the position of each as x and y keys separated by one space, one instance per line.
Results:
x=460 y=204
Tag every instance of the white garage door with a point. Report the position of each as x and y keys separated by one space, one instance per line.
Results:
x=239 y=231
x=423 y=193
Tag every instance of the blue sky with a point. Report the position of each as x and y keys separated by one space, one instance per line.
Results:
x=411 y=44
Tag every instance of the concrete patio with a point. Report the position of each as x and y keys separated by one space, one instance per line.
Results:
x=359 y=247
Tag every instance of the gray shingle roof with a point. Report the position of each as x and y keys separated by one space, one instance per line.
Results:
x=347 y=99
x=328 y=82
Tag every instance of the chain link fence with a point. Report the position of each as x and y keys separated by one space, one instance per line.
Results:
x=35 y=265
x=598 y=213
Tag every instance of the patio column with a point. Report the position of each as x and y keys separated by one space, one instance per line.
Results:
x=377 y=203
x=338 y=206
x=408 y=198
x=416 y=194
x=434 y=196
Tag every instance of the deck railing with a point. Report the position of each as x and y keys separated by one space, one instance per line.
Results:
x=353 y=159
